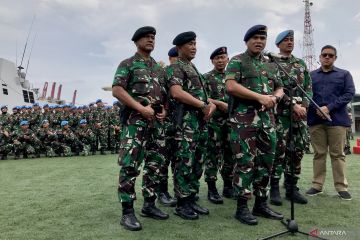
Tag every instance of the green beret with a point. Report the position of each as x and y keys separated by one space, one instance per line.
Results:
x=142 y=32
x=183 y=38
x=255 y=30
x=218 y=51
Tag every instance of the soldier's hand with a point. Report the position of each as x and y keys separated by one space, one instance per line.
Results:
x=148 y=113
x=161 y=116
x=209 y=111
x=267 y=101
x=300 y=111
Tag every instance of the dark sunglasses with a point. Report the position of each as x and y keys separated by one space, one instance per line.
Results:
x=330 y=55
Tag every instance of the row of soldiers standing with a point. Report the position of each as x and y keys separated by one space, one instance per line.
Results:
x=223 y=119
x=59 y=130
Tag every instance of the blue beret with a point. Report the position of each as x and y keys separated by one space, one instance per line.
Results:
x=173 y=52
x=16 y=107
x=35 y=104
x=283 y=35
x=218 y=51
x=116 y=102
x=83 y=121
x=91 y=104
x=24 y=122
x=98 y=100
x=28 y=107
x=64 y=123
x=46 y=105
x=3 y=106
x=257 y=29
x=44 y=121
x=142 y=32
x=183 y=38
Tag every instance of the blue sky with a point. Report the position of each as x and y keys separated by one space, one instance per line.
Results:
x=80 y=43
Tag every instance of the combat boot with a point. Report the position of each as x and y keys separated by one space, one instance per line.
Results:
x=297 y=197
x=197 y=208
x=129 y=220
x=262 y=209
x=25 y=156
x=150 y=210
x=3 y=157
x=243 y=213
x=184 y=210
x=213 y=195
x=228 y=189
x=275 y=197
x=164 y=196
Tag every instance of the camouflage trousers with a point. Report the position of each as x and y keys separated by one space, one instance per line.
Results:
x=25 y=148
x=137 y=143
x=218 y=154
x=49 y=151
x=101 y=136
x=170 y=146
x=191 y=140
x=283 y=155
x=64 y=149
x=113 y=140
x=254 y=150
x=6 y=148
x=86 y=149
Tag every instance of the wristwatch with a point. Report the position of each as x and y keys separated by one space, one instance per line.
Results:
x=204 y=106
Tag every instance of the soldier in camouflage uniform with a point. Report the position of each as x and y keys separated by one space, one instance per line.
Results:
x=25 y=141
x=100 y=123
x=186 y=87
x=85 y=136
x=5 y=142
x=347 y=148
x=164 y=196
x=254 y=86
x=139 y=86
x=67 y=140
x=5 y=116
x=218 y=150
x=48 y=138
x=297 y=69
x=114 y=127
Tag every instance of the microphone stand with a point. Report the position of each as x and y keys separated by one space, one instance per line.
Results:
x=290 y=224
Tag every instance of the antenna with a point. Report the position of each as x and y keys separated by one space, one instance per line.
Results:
x=308 y=41
x=27 y=40
x=32 y=46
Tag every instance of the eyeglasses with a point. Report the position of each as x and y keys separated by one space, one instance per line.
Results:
x=330 y=55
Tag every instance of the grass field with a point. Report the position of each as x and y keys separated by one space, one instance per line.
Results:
x=76 y=198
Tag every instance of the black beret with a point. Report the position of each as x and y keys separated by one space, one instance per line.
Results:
x=255 y=30
x=142 y=32
x=173 y=52
x=183 y=38
x=218 y=51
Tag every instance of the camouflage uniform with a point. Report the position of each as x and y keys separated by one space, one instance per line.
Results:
x=86 y=137
x=48 y=140
x=68 y=142
x=192 y=134
x=5 y=143
x=218 y=149
x=298 y=70
x=100 y=124
x=26 y=142
x=140 y=140
x=252 y=133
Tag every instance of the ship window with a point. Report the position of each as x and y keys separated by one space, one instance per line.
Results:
x=5 y=91
x=31 y=97
x=26 y=96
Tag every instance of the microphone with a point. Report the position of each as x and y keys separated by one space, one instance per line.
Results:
x=275 y=55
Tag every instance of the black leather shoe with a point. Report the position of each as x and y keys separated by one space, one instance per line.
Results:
x=214 y=197
x=263 y=210
x=150 y=210
x=186 y=212
x=130 y=222
x=244 y=215
x=165 y=199
x=198 y=209
x=298 y=198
